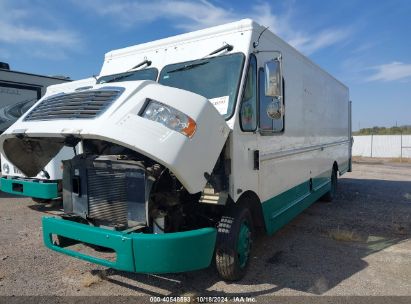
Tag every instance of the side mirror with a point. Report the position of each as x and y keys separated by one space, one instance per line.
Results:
x=273 y=78
x=275 y=109
x=274 y=87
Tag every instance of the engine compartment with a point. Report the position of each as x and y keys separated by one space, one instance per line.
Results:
x=112 y=186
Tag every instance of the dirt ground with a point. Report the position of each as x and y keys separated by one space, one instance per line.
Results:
x=360 y=244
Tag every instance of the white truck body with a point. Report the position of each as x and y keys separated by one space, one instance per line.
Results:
x=278 y=166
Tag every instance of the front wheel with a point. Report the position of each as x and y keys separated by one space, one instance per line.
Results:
x=234 y=240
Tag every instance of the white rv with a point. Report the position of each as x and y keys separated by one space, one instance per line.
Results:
x=189 y=145
x=18 y=92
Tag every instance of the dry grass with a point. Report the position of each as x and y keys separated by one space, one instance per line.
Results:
x=341 y=235
x=360 y=159
x=90 y=279
x=400 y=229
x=188 y=294
x=400 y=160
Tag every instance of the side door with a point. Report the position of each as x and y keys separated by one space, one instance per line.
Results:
x=244 y=143
x=270 y=139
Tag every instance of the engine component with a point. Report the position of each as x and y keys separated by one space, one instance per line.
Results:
x=106 y=190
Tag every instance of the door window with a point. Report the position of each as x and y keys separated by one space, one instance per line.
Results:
x=248 y=112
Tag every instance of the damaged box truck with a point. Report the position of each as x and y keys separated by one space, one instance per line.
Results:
x=189 y=145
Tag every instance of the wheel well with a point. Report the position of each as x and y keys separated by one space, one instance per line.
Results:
x=251 y=200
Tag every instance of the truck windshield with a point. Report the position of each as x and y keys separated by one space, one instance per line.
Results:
x=146 y=74
x=216 y=78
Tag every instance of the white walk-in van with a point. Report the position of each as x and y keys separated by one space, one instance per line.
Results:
x=19 y=91
x=189 y=146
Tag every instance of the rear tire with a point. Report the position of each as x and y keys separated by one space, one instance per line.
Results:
x=234 y=240
x=330 y=195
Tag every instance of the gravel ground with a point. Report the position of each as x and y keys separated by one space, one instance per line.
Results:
x=360 y=244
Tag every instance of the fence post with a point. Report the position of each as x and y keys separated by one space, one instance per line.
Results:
x=401 y=148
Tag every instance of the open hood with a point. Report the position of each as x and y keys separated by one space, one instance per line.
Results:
x=38 y=136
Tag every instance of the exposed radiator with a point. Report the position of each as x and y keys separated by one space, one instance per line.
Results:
x=105 y=190
x=107 y=195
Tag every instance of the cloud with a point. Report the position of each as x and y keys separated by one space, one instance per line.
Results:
x=17 y=33
x=190 y=15
x=390 y=72
x=312 y=43
x=186 y=15
x=307 y=43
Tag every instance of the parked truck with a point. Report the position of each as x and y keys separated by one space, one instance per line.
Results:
x=18 y=92
x=190 y=145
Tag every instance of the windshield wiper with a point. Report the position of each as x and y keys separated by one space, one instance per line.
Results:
x=145 y=62
x=128 y=72
x=227 y=47
x=189 y=66
x=117 y=78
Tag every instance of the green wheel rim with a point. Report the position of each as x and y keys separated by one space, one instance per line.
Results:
x=243 y=244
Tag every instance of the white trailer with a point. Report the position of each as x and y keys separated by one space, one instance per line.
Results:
x=239 y=132
x=19 y=92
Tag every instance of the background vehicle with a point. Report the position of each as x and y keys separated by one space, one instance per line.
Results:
x=19 y=92
x=239 y=133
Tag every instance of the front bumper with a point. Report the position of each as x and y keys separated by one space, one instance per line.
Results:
x=137 y=252
x=30 y=187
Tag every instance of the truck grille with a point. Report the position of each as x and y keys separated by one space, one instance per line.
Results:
x=79 y=105
x=107 y=195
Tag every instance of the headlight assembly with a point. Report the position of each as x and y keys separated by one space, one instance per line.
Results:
x=169 y=117
x=6 y=168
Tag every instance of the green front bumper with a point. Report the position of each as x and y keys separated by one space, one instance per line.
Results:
x=137 y=252
x=30 y=187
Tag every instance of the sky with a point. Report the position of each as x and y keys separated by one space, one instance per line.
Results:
x=364 y=44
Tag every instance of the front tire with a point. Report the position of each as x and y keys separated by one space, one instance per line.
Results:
x=41 y=201
x=234 y=240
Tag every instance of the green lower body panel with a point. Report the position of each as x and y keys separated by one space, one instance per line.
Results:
x=29 y=187
x=137 y=252
x=281 y=209
x=345 y=167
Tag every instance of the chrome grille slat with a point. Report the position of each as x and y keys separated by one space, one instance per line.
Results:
x=78 y=105
x=72 y=105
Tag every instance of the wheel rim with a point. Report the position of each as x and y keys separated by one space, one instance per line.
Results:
x=243 y=244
